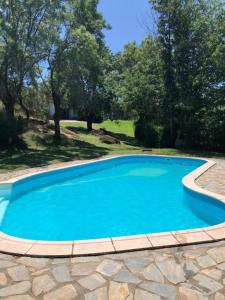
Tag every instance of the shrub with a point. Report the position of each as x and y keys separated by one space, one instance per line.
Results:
x=149 y=133
x=7 y=130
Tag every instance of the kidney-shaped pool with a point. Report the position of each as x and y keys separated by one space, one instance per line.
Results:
x=115 y=197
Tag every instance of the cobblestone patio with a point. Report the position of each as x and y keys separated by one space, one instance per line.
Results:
x=193 y=272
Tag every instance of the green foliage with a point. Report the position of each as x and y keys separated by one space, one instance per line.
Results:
x=191 y=35
x=7 y=130
x=149 y=133
x=24 y=28
x=87 y=61
x=172 y=85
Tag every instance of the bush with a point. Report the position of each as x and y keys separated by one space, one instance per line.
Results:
x=7 y=130
x=149 y=133
x=98 y=118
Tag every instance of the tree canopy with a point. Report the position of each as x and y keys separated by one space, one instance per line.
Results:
x=172 y=84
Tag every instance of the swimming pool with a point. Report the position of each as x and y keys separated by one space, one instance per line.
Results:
x=121 y=196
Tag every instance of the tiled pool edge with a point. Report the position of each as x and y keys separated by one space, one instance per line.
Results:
x=12 y=245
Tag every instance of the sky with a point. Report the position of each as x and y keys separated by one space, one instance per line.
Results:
x=131 y=20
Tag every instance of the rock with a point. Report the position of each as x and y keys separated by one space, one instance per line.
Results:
x=190 y=268
x=57 y=261
x=221 y=266
x=143 y=295
x=209 y=285
x=159 y=257
x=190 y=294
x=137 y=264
x=15 y=289
x=118 y=291
x=164 y=290
x=4 y=264
x=107 y=139
x=67 y=292
x=37 y=263
x=171 y=270
x=3 y=279
x=220 y=296
x=100 y=294
x=42 y=284
x=20 y=297
x=205 y=261
x=92 y=282
x=40 y=272
x=218 y=254
x=85 y=259
x=152 y=273
x=194 y=253
x=213 y=273
x=128 y=277
x=19 y=273
x=109 y=267
x=128 y=255
x=61 y=273
x=6 y=256
x=100 y=131
x=82 y=269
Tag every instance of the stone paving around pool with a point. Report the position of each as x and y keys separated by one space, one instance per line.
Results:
x=214 y=179
x=194 y=272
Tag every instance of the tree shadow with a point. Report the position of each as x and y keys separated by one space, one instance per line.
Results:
x=78 y=130
x=79 y=150
x=200 y=153
x=129 y=140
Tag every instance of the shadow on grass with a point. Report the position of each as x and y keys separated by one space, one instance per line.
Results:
x=131 y=141
x=186 y=152
x=78 y=130
x=15 y=159
x=200 y=153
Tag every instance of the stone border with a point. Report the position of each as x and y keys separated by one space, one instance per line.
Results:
x=13 y=245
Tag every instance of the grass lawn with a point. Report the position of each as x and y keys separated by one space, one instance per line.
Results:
x=40 y=151
x=122 y=127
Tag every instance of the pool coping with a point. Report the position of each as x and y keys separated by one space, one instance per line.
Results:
x=25 y=247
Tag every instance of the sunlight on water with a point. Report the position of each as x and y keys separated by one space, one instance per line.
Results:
x=117 y=197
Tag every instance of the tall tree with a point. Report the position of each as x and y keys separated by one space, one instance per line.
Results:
x=166 y=10
x=60 y=39
x=87 y=56
x=188 y=35
x=23 y=34
x=142 y=88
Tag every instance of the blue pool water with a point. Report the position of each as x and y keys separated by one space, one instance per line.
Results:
x=117 y=197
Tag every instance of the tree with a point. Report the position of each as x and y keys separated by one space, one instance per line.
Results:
x=87 y=58
x=188 y=31
x=142 y=88
x=23 y=34
x=60 y=39
x=166 y=10
x=87 y=75
x=111 y=89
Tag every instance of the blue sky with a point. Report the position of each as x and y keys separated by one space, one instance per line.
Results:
x=131 y=20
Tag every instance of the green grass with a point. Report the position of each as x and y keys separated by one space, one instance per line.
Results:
x=40 y=151
x=122 y=127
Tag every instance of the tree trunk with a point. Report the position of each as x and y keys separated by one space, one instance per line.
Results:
x=56 y=101
x=171 y=127
x=10 y=114
x=24 y=108
x=89 y=122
